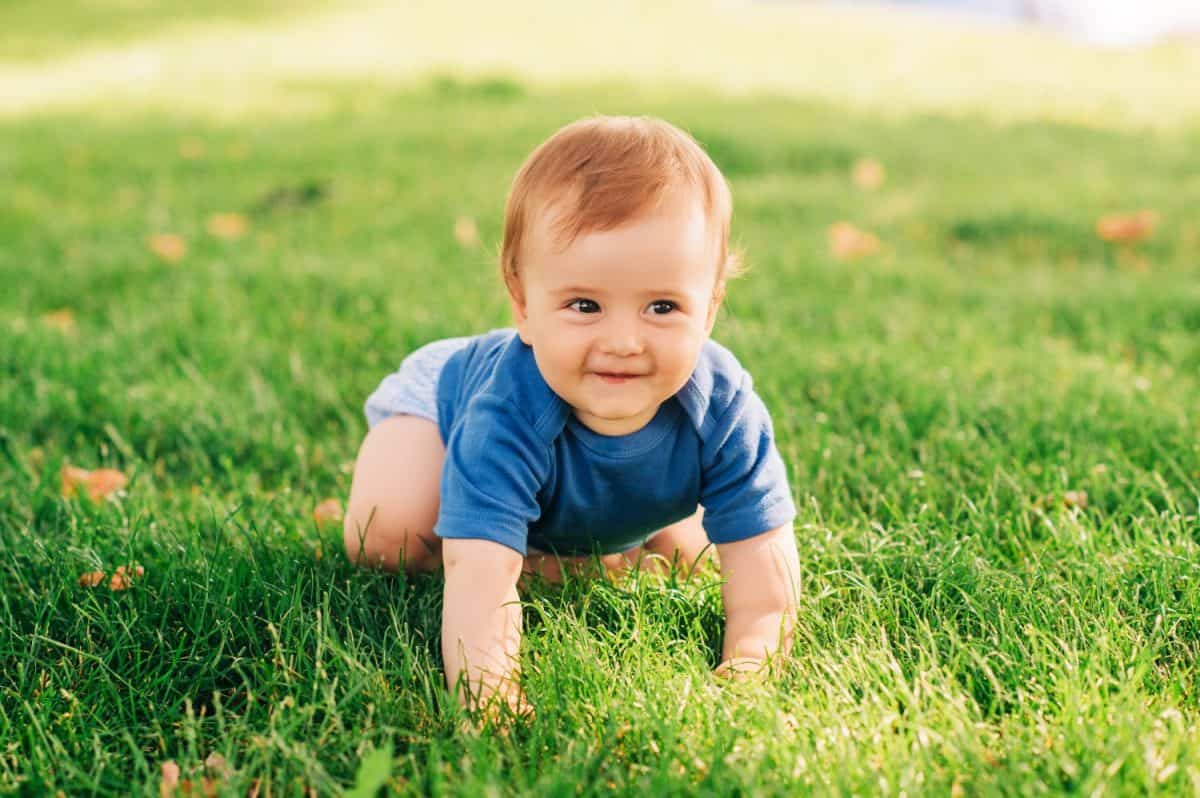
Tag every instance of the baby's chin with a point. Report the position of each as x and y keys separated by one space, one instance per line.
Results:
x=613 y=423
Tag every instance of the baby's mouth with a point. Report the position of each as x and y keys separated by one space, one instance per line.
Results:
x=611 y=376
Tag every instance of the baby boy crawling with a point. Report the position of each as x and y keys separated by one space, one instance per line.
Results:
x=607 y=423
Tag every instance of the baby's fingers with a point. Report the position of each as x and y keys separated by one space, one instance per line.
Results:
x=499 y=712
x=740 y=669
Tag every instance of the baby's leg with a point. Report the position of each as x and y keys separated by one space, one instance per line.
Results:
x=684 y=540
x=394 y=500
x=394 y=496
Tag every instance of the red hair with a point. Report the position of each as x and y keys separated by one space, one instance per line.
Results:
x=601 y=172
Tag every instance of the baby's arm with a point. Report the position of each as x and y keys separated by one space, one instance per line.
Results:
x=762 y=581
x=481 y=619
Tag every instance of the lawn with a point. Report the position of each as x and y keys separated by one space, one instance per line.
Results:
x=39 y=31
x=990 y=427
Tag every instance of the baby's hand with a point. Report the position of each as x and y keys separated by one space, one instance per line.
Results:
x=740 y=669
x=500 y=711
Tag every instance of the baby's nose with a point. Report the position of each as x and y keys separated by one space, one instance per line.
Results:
x=623 y=342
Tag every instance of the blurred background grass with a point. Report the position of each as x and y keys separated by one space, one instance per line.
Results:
x=39 y=31
x=199 y=57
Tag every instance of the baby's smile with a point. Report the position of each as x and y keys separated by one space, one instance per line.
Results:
x=617 y=379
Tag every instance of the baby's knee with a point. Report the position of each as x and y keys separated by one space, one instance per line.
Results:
x=355 y=537
x=377 y=538
x=390 y=520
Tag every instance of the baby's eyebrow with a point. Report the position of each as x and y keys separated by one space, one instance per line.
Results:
x=584 y=290
x=576 y=289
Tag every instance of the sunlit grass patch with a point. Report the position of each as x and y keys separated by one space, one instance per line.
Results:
x=245 y=62
x=37 y=31
x=988 y=423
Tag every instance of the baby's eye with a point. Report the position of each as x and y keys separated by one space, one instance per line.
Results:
x=660 y=304
x=584 y=303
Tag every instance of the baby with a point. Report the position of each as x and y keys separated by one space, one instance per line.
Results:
x=606 y=423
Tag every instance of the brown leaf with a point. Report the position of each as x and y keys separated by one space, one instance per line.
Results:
x=91 y=578
x=1076 y=498
x=466 y=232
x=100 y=484
x=327 y=512
x=228 y=226
x=1127 y=228
x=868 y=174
x=1069 y=499
x=104 y=482
x=170 y=779
x=122 y=578
x=847 y=242
x=191 y=149
x=72 y=478
x=62 y=320
x=169 y=246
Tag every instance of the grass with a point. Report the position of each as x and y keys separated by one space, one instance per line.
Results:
x=35 y=31
x=868 y=57
x=964 y=629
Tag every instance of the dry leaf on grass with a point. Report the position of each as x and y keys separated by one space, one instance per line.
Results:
x=1070 y=499
x=123 y=578
x=62 y=320
x=465 y=232
x=1075 y=498
x=868 y=174
x=327 y=512
x=191 y=149
x=847 y=242
x=1127 y=228
x=91 y=578
x=169 y=246
x=72 y=478
x=104 y=482
x=228 y=226
x=99 y=484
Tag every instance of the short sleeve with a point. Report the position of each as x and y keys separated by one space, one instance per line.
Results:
x=743 y=485
x=494 y=468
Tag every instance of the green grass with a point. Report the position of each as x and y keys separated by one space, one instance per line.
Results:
x=35 y=30
x=953 y=630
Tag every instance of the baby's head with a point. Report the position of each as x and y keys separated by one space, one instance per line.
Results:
x=616 y=256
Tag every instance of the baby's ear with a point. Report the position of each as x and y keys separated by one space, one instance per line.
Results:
x=516 y=295
x=714 y=305
x=516 y=301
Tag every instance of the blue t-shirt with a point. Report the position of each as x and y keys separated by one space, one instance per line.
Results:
x=521 y=469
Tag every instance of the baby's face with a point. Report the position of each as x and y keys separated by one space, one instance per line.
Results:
x=636 y=301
